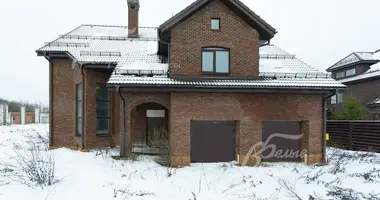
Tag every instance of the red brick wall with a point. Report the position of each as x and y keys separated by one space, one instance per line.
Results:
x=250 y=110
x=190 y=36
x=64 y=80
x=93 y=79
x=64 y=125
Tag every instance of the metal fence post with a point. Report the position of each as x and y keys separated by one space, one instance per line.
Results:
x=350 y=135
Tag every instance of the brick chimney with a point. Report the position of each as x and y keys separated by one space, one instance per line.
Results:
x=133 y=18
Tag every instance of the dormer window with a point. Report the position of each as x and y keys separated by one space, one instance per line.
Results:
x=345 y=73
x=215 y=60
x=350 y=72
x=215 y=24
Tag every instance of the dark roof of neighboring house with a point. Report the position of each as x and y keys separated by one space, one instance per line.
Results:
x=266 y=31
x=373 y=73
x=355 y=58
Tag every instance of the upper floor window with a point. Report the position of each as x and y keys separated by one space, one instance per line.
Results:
x=340 y=74
x=102 y=110
x=215 y=60
x=351 y=72
x=215 y=24
x=345 y=73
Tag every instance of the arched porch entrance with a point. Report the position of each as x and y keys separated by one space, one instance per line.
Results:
x=149 y=128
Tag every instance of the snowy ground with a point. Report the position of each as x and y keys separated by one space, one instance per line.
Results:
x=95 y=175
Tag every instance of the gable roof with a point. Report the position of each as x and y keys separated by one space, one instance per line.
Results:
x=266 y=31
x=136 y=61
x=354 y=58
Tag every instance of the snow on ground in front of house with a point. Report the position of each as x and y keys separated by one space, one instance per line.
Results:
x=95 y=175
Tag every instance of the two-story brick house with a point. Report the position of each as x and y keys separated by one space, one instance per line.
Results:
x=360 y=72
x=208 y=76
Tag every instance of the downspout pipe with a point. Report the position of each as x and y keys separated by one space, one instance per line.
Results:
x=51 y=65
x=123 y=148
x=324 y=157
x=83 y=102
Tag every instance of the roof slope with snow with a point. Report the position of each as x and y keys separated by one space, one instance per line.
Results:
x=97 y=44
x=374 y=71
x=356 y=57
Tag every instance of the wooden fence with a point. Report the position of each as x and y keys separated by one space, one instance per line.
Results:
x=354 y=135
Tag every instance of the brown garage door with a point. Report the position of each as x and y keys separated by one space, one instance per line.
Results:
x=212 y=141
x=285 y=148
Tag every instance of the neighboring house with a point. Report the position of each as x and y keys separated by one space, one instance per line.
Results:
x=16 y=118
x=360 y=72
x=207 y=76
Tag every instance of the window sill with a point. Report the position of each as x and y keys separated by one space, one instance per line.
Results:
x=214 y=74
x=103 y=135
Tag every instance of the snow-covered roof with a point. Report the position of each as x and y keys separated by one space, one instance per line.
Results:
x=274 y=59
x=356 y=57
x=263 y=83
x=110 y=44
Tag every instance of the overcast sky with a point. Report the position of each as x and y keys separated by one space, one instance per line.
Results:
x=319 y=32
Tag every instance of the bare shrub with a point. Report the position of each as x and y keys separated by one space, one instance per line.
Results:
x=159 y=139
x=370 y=176
x=289 y=189
x=309 y=178
x=33 y=165
x=340 y=162
x=103 y=152
x=343 y=193
x=127 y=193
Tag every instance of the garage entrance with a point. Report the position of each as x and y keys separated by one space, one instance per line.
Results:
x=212 y=141
x=283 y=141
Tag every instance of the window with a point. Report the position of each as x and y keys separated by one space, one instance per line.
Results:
x=345 y=73
x=376 y=116
x=102 y=110
x=333 y=99
x=340 y=74
x=215 y=60
x=340 y=97
x=351 y=72
x=78 y=109
x=215 y=24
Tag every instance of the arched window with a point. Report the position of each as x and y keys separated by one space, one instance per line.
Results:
x=215 y=60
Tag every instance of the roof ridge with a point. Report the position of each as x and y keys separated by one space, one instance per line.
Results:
x=273 y=45
x=356 y=54
x=190 y=9
x=335 y=64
